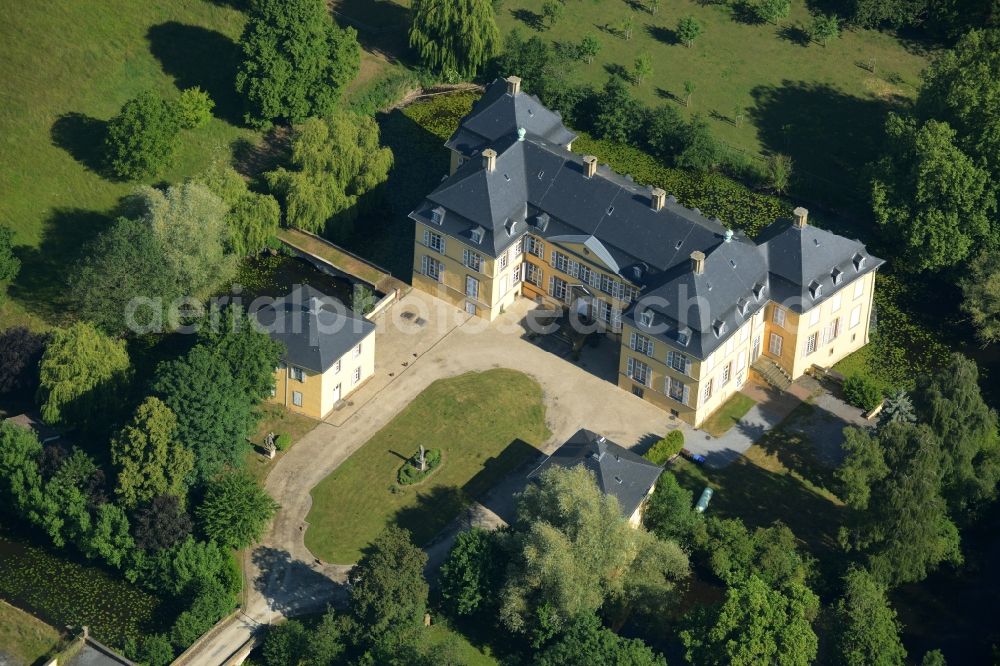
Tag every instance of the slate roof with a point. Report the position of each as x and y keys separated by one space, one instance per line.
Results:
x=316 y=329
x=618 y=472
x=802 y=258
x=498 y=113
x=538 y=185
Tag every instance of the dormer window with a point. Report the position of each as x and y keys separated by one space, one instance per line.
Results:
x=437 y=215
x=509 y=226
x=837 y=275
x=646 y=317
x=684 y=336
x=477 y=235
x=758 y=290
x=859 y=261
x=815 y=289
x=719 y=327
x=742 y=305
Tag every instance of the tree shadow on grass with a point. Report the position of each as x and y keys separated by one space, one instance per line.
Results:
x=381 y=24
x=43 y=285
x=795 y=34
x=195 y=56
x=529 y=18
x=83 y=138
x=614 y=69
x=830 y=136
x=434 y=508
x=662 y=34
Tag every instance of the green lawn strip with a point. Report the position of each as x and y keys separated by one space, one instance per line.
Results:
x=67 y=68
x=24 y=637
x=459 y=647
x=486 y=424
x=728 y=414
x=279 y=420
x=819 y=105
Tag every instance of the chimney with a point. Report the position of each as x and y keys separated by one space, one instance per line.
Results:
x=513 y=85
x=489 y=160
x=801 y=217
x=589 y=166
x=657 y=198
x=698 y=262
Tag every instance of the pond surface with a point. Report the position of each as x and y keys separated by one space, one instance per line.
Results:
x=64 y=593
x=276 y=276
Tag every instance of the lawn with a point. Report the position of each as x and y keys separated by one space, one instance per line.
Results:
x=817 y=104
x=486 y=424
x=67 y=68
x=279 y=420
x=23 y=637
x=726 y=416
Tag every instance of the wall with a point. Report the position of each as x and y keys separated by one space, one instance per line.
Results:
x=452 y=286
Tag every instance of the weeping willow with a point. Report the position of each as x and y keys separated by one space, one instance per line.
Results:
x=457 y=35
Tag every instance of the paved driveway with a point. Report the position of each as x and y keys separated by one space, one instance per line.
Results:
x=419 y=339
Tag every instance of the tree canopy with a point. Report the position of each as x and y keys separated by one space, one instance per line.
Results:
x=149 y=459
x=335 y=162
x=296 y=61
x=929 y=196
x=213 y=418
x=574 y=553
x=866 y=632
x=459 y=36
x=587 y=642
x=755 y=624
x=141 y=139
x=20 y=353
x=253 y=217
x=10 y=265
x=235 y=510
x=235 y=337
x=981 y=296
x=80 y=374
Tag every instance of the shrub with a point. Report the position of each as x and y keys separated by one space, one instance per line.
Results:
x=410 y=472
x=666 y=448
x=141 y=138
x=283 y=441
x=862 y=392
x=193 y=108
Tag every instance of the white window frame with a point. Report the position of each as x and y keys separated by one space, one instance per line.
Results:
x=642 y=344
x=707 y=392
x=774 y=344
x=434 y=241
x=502 y=260
x=515 y=275
x=727 y=374
x=679 y=362
x=639 y=372
x=298 y=374
x=558 y=288
x=812 y=343
x=336 y=367
x=533 y=274
x=356 y=377
x=357 y=350
x=855 y=316
x=778 y=316
x=535 y=247
x=432 y=268
x=471 y=287
x=297 y=398
x=473 y=260
x=684 y=391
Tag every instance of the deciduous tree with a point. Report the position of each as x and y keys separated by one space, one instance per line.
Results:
x=335 y=162
x=688 y=29
x=388 y=590
x=619 y=116
x=296 y=61
x=109 y=539
x=589 y=47
x=10 y=265
x=981 y=296
x=670 y=513
x=149 y=458
x=141 y=138
x=80 y=375
x=642 y=68
x=755 y=624
x=213 y=418
x=950 y=403
x=866 y=631
x=161 y=524
x=929 y=196
x=824 y=28
x=252 y=355
x=253 y=218
x=235 y=511
x=473 y=572
x=193 y=108
x=587 y=642
x=772 y=11
x=454 y=35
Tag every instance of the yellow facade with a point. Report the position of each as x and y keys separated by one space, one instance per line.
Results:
x=821 y=336
x=314 y=394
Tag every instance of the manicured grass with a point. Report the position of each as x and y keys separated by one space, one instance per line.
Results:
x=486 y=424
x=67 y=68
x=279 y=420
x=815 y=103
x=728 y=414
x=459 y=647
x=23 y=637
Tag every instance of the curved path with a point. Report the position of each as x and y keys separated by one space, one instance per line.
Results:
x=284 y=578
